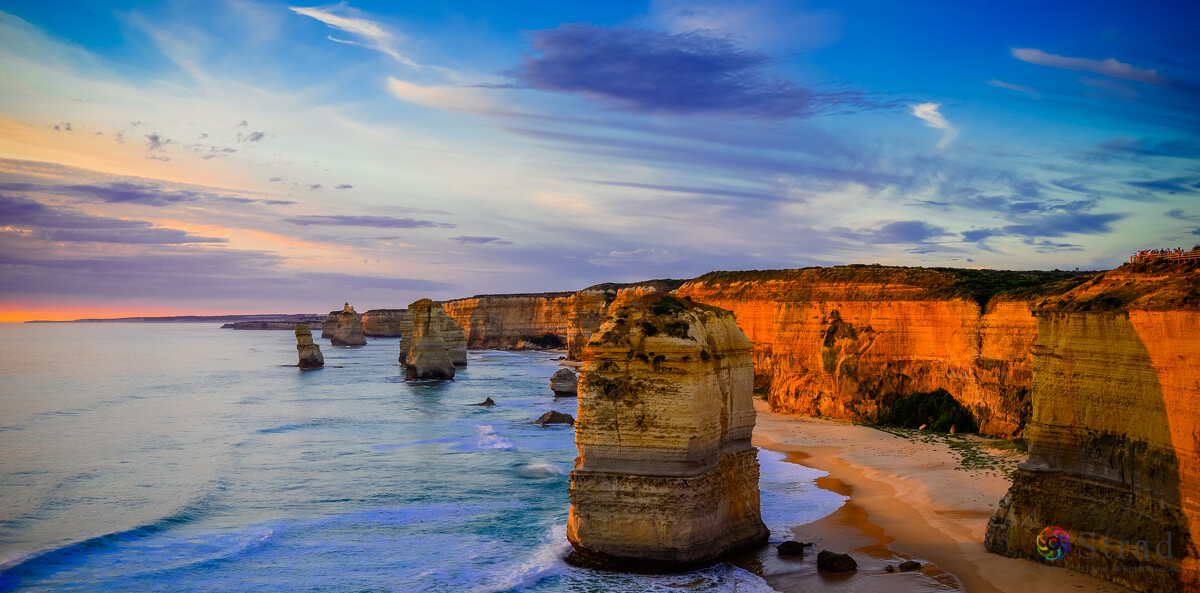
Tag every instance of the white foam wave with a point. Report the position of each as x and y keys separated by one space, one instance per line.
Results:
x=488 y=439
x=539 y=469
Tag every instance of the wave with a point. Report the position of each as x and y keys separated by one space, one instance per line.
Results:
x=487 y=439
x=48 y=560
x=315 y=423
x=539 y=469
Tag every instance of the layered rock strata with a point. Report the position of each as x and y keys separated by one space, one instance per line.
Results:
x=309 y=353
x=348 y=331
x=385 y=323
x=666 y=477
x=846 y=342
x=564 y=382
x=501 y=321
x=428 y=357
x=1114 y=438
x=452 y=334
x=330 y=324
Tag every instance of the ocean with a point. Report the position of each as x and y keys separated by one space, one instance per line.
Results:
x=184 y=457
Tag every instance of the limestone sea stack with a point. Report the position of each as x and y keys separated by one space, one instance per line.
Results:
x=349 y=329
x=564 y=383
x=310 y=353
x=428 y=357
x=330 y=324
x=452 y=334
x=666 y=477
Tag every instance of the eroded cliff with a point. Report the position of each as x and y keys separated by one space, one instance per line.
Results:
x=385 y=323
x=666 y=476
x=1114 y=438
x=847 y=341
x=501 y=321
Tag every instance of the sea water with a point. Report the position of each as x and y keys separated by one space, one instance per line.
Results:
x=184 y=457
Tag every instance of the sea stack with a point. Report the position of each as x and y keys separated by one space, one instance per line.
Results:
x=666 y=477
x=310 y=353
x=564 y=382
x=428 y=357
x=452 y=334
x=349 y=329
x=330 y=324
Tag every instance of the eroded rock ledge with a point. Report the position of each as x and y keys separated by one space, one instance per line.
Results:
x=666 y=477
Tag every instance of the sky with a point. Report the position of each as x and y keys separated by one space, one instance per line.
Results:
x=238 y=156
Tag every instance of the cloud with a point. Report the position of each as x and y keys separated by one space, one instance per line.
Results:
x=903 y=231
x=383 y=222
x=928 y=112
x=343 y=186
x=727 y=193
x=156 y=142
x=1118 y=146
x=130 y=193
x=470 y=240
x=375 y=35
x=242 y=124
x=32 y=220
x=651 y=257
x=1060 y=224
x=64 y=126
x=447 y=98
x=1179 y=214
x=251 y=137
x=1108 y=67
x=765 y=24
x=1028 y=90
x=652 y=72
x=978 y=235
x=1172 y=186
x=314 y=186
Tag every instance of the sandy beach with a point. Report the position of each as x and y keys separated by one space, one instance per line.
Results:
x=908 y=498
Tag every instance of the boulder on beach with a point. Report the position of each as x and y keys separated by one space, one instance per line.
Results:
x=834 y=562
x=564 y=382
x=486 y=402
x=553 y=417
x=910 y=565
x=310 y=353
x=349 y=330
x=791 y=548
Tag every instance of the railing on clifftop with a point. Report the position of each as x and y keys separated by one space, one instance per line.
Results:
x=1138 y=258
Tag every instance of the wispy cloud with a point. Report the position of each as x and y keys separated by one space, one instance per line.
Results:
x=447 y=98
x=636 y=257
x=1107 y=67
x=375 y=35
x=383 y=222
x=928 y=113
x=1020 y=88
x=471 y=240
x=28 y=219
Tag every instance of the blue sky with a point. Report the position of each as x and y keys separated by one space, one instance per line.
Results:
x=241 y=156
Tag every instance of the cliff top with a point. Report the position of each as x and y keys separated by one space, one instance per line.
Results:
x=664 y=284
x=1155 y=285
x=980 y=285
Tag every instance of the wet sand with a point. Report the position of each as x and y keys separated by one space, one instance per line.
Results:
x=908 y=500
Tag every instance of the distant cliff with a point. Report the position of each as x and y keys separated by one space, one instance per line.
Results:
x=1114 y=438
x=501 y=321
x=848 y=341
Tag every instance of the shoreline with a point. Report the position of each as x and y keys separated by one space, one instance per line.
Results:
x=908 y=498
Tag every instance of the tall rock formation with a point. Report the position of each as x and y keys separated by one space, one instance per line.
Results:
x=349 y=330
x=500 y=321
x=330 y=324
x=847 y=341
x=1114 y=440
x=384 y=323
x=310 y=353
x=666 y=476
x=428 y=357
x=452 y=334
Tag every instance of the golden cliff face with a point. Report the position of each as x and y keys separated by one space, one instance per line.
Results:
x=1115 y=433
x=500 y=321
x=385 y=323
x=845 y=342
x=666 y=475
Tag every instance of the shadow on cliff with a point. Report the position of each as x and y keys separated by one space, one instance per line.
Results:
x=1103 y=464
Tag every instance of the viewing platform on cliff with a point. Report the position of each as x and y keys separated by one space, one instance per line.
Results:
x=1168 y=254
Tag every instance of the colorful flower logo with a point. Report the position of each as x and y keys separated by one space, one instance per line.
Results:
x=1053 y=543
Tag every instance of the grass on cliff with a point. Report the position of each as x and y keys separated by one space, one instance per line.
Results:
x=973 y=453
